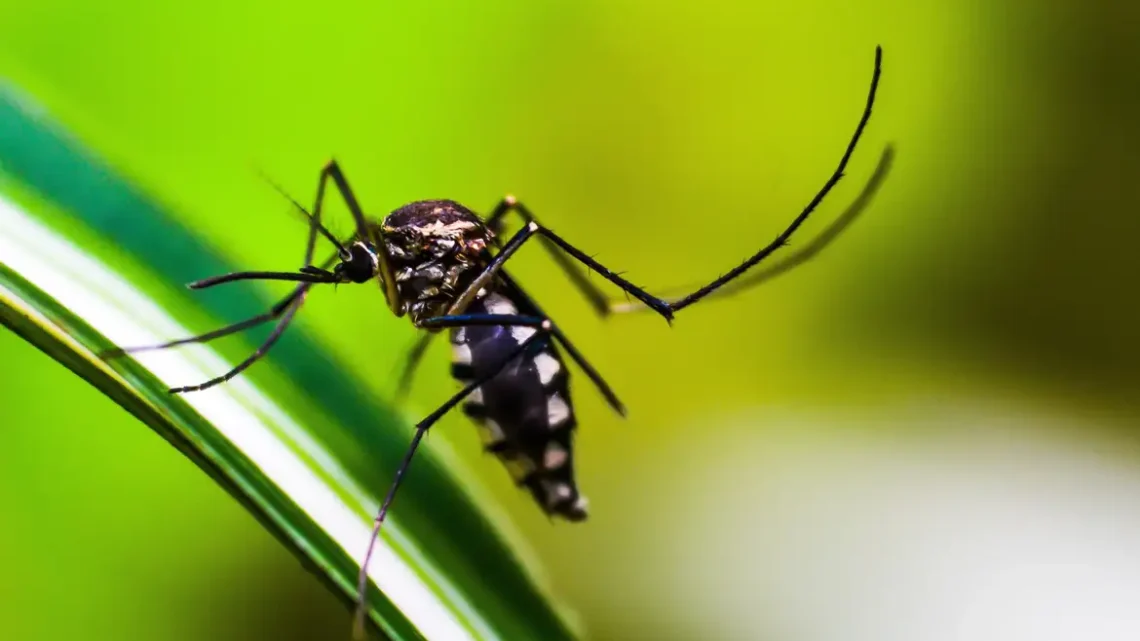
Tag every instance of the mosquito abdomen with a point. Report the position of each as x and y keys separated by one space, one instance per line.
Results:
x=524 y=414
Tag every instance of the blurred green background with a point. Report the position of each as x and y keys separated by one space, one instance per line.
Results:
x=978 y=329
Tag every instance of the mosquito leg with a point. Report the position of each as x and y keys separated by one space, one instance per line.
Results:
x=421 y=429
x=333 y=171
x=534 y=311
x=782 y=239
x=526 y=233
x=283 y=310
x=253 y=321
x=483 y=320
x=801 y=255
x=664 y=307
x=440 y=322
x=411 y=363
x=417 y=351
x=278 y=330
x=589 y=290
x=529 y=306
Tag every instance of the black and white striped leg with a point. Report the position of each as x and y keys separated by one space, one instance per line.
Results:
x=667 y=308
x=543 y=329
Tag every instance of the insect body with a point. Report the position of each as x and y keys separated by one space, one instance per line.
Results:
x=442 y=266
x=523 y=410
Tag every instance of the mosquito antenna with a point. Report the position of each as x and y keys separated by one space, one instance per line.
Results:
x=340 y=248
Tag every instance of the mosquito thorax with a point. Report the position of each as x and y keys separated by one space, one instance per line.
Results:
x=435 y=248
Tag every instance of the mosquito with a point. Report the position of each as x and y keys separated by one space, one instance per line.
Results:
x=442 y=265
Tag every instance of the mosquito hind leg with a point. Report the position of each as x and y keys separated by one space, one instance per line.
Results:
x=666 y=308
x=594 y=296
x=543 y=327
x=412 y=363
x=802 y=254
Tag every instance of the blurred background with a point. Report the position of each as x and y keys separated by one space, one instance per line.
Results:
x=929 y=432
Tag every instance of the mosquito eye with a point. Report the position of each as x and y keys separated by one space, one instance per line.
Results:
x=362 y=263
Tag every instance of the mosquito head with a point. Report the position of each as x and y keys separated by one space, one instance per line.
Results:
x=360 y=263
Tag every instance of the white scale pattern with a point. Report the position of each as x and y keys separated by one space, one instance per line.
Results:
x=497 y=304
x=547 y=367
x=557 y=411
x=555 y=457
x=461 y=354
x=556 y=492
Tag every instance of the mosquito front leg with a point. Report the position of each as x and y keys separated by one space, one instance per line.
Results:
x=273 y=313
x=283 y=310
x=364 y=232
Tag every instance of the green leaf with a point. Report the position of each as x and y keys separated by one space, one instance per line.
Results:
x=88 y=261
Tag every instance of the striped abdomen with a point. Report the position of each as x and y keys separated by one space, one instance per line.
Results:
x=524 y=413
